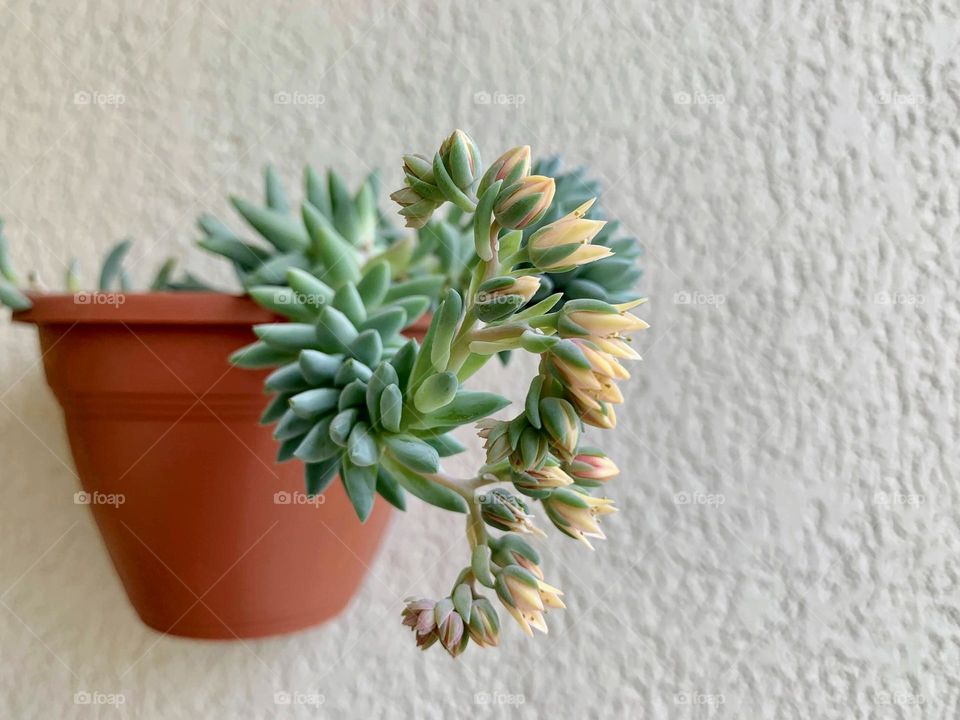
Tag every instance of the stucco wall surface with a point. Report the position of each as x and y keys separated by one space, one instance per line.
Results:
x=788 y=538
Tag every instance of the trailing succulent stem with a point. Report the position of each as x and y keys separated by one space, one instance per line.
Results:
x=352 y=398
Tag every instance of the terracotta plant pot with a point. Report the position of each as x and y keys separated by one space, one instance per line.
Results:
x=210 y=536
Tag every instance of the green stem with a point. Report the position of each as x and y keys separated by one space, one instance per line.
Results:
x=460 y=349
x=465 y=487
x=476 y=527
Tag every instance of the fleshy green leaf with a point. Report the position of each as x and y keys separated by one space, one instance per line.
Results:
x=367 y=348
x=286 y=379
x=287 y=336
x=337 y=255
x=276 y=197
x=362 y=448
x=386 y=322
x=334 y=331
x=275 y=409
x=281 y=230
x=317 y=445
x=425 y=489
x=348 y=301
x=428 y=285
x=445 y=445
x=352 y=395
x=414 y=453
x=320 y=475
x=113 y=264
x=390 y=489
x=342 y=424
x=315 y=402
x=445 y=325
x=403 y=362
x=282 y=300
x=466 y=407
x=436 y=391
x=247 y=256
x=314 y=291
x=352 y=370
x=319 y=368
x=480 y=564
x=275 y=270
x=391 y=408
x=360 y=483
x=292 y=425
x=12 y=297
x=374 y=284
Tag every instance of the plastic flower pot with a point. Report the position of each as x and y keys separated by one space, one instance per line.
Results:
x=209 y=535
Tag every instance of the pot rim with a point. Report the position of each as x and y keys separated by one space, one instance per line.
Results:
x=143 y=308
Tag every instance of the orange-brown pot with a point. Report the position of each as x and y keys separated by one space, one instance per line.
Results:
x=210 y=536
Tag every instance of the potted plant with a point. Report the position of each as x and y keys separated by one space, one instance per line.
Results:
x=352 y=397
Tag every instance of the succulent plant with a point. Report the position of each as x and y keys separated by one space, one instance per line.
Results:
x=342 y=362
x=113 y=276
x=335 y=236
x=353 y=398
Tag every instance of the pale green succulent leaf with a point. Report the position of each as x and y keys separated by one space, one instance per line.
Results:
x=362 y=448
x=360 y=483
x=286 y=379
x=314 y=403
x=348 y=301
x=413 y=453
x=319 y=368
x=317 y=445
x=446 y=444
x=113 y=265
x=334 y=331
x=287 y=336
x=436 y=391
x=424 y=489
x=468 y=406
x=319 y=475
x=12 y=297
x=281 y=230
x=276 y=196
x=390 y=490
x=374 y=284
x=275 y=409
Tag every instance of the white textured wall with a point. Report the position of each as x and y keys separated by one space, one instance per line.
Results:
x=805 y=199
